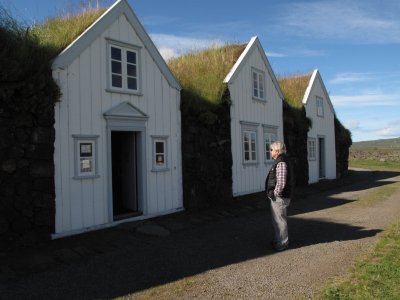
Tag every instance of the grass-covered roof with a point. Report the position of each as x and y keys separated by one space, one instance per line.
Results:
x=294 y=88
x=202 y=72
x=57 y=33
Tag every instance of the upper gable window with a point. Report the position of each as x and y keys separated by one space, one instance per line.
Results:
x=124 y=68
x=258 y=79
x=320 y=106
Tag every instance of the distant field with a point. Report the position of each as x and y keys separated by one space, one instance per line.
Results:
x=382 y=151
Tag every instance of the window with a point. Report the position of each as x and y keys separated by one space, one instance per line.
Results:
x=249 y=146
x=258 y=85
x=320 y=106
x=85 y=156
x=270 y=136
x=160 y=154
x=124 y=68
x=311 y=150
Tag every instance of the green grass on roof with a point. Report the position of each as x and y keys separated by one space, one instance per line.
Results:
x=58 y=32
x=202 y=72
x=294 y=88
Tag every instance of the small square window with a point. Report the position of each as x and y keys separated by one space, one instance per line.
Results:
x=160 y=154
x=85 y=158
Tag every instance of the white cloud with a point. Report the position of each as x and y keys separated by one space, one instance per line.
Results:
x=172 y=46
x=366 y=100
x=352 y=124
x=389 y=132
x=362 y=22
x=351 y=77
x=275 y=54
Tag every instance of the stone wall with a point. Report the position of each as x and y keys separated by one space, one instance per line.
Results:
x=206 y=152
x=27 y=96
x=27 y=209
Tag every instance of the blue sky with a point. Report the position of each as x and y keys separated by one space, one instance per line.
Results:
x=355 y=44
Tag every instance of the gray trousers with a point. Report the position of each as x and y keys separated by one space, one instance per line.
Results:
x=279 y=222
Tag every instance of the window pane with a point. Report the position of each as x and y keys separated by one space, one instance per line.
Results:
x=246 y=156
x=115 y=53
x=131 y=69
x=86 y=165
x=132 y=83
x=160 y=159
x=116 y=81
x=159 y=147
x=253 y=155
x=116 y=67
x=131 y=57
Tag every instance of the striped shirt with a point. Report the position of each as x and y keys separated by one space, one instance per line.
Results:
x=281 y=176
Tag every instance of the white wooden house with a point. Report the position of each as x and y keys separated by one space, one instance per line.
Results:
x=118 y=127
x=256 y=118
x=321 y=136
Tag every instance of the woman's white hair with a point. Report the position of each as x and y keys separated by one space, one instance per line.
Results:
x=279 y=146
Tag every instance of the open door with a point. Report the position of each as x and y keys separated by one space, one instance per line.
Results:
x=124 y=174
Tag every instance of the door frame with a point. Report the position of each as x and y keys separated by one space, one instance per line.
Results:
x=126 y=117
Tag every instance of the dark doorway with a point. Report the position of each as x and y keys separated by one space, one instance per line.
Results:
x=124 y=174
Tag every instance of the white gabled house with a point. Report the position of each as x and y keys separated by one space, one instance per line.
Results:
x=256 y=118
x=321 y=136
x=117 y=127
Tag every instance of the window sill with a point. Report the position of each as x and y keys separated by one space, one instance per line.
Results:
x=127 y=92
x=264 y=101
x=160 y=170
x=85 y=177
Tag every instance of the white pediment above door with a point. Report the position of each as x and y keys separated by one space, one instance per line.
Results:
x=125 y=110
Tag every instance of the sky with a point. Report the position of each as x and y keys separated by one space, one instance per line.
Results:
x=355 y=44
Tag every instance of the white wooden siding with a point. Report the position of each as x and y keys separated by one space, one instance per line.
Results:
x=321 y=127
x=251 y=178
x=84 y=203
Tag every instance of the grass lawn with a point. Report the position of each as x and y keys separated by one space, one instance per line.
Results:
x=376 y=275
x=375 y=165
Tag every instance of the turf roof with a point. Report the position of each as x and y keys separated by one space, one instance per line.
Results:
x=58 y=32
x=202 y=72
x=294 y=88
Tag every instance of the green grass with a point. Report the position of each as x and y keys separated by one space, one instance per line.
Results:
x=374 y=164
x=58 y=32
x=202 y=72
x=376 y=276
x=294 y=88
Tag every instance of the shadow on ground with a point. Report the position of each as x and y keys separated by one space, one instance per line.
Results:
x=120 y=261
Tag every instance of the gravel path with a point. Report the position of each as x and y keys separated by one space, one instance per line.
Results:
x=219 y=254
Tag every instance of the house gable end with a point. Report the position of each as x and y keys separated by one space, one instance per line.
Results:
x=66 y=57
x=314 y=77
x=252 y=46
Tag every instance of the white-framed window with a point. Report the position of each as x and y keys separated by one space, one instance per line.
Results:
x=270 y=136
x=320 y=106
x=258 y=79
x=85 y=156
x=249 y=142
x=124 y=68
x=311 y=149
x=250 y=146
x=160 y=154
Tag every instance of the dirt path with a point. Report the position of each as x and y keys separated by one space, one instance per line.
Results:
x=326 y=243
x=219 y=254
